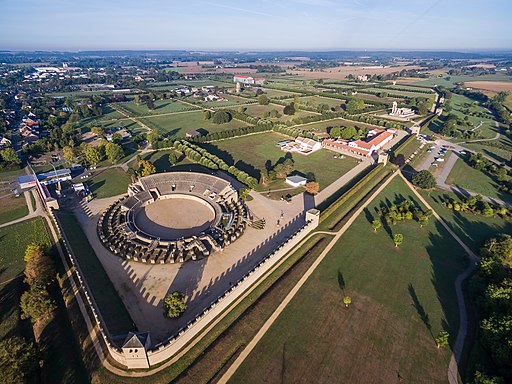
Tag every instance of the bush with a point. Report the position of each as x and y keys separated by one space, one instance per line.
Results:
x=222 y=117
x=174 y=305
x=263 y=100
x=424 y=179
x=289 y=109
x=18 y=360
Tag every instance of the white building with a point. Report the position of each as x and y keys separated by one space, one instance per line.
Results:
x=248 y=79
x=401 y=112
x=296 y=181
x=302 y=145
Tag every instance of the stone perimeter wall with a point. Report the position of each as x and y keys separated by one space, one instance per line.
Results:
x=165 y=350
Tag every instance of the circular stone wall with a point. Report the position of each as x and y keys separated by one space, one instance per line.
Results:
x=175 y=216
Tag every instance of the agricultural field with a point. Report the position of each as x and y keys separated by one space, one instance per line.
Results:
x=449 y=81
x=12 y=208
x=401 y=299
x=15 y=239
x=463 y=175
x=252 y=153
x=176 y=125
x=260 y=110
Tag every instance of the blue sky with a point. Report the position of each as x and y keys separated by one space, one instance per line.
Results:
x=258 y=24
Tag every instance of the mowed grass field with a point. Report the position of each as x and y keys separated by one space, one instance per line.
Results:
x=177 y=125
x=251 y=154
x=12 y=208
x=109 y=182
x=322 y=126
x=401 y=299
x=260 y=110
x=315 y=101
x=15 y=239
x=161 y=107
x=464 y=176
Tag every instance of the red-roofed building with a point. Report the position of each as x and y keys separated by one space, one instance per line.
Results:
x=375 y=140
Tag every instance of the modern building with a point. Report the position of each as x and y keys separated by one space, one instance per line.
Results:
x=27 y=181
x=296 y=181
x=55 y=176
x=248 y=79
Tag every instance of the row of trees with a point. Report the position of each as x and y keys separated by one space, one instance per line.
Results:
x=478 y=206
x=491 y=289
x=205 y=158
x=19 y=358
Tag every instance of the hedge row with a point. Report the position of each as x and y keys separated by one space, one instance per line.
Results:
x=333 y=214
x=209 y=160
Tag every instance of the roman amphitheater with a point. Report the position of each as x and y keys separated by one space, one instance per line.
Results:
x=172 y=218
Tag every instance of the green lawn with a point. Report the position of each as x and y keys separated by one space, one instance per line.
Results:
x=11 y=175
x=15 y=239
x=473 y=229
x=251 y=153
x=178 y=124
x=12 y=208
x=322 y=126
x=401 y=298
x=449 y=81
x=460 y=103
x=260 y=110
x=161 y=107
x=501 y=152
x=464 y=176
x=160 y=160
x=109 y=182
x=231 y=100
x=400 y=93
x=314 y=101
x=112 y=309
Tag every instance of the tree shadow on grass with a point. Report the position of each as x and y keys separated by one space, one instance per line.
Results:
x=419 y=309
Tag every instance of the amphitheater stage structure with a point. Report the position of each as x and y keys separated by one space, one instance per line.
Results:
x=173 y=217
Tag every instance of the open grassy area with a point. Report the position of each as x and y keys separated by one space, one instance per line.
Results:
x=109 y=182
x=473 y=229
x=231 y=100
x=15 y=239
x=252 y=153
x=401 y=93
x=401 y=298
x=12 y=208
x=321 y=127
x=460 y=104
x=314 y=101
x=160 y=160
x=112 y=309
x=11 y=175
x=449 y=81
x=177 y=125
x=464 y=176
x=260 y=110
x=500 y=149
x=161 y=107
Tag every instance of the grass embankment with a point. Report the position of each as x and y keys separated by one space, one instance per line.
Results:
x=213 y=353
x=465 y=176
x=111 y=307
x=401 y=298
x=109 y=182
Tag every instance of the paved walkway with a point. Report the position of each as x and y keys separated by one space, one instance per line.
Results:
x=248 y=349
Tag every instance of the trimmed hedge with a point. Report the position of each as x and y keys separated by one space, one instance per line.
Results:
x=333 y=214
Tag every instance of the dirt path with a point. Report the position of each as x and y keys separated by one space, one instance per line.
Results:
x=248 y=349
